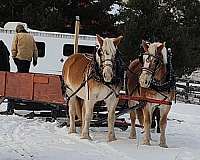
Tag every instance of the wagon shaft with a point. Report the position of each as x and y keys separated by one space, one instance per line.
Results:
x=151 y=100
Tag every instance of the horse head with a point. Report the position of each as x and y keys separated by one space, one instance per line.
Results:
x=105 y=56
x=153 y=60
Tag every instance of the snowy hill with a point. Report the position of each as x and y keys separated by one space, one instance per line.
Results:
x=34 y=139
x=195 y=75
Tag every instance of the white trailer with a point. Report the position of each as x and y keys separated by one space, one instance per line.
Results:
x=53 y=47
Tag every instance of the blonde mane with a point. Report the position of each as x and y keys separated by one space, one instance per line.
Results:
x=153 y=48
x=109 y=46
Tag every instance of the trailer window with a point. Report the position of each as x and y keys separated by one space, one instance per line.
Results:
x=41 y=49
x=68 y=49
x=87 y=49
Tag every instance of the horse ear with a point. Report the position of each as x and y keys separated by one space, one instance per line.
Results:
x=159 y=48
x=145 y=46
x=100 y=40
x=164 y=43
x=117 y=40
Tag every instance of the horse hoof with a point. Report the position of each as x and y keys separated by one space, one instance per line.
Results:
x=146 y=143
x=132 y=137
x=89 y=138
x=71 y=131
x=152 y=130
x=163 y=145
x=85 y=137
x=111 y=138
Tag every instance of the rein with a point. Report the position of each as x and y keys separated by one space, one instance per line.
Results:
x=96 y=74
x=79 y=88
x=155 y=84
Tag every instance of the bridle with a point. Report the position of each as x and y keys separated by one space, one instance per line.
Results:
x=103 y=61
x=158 y=63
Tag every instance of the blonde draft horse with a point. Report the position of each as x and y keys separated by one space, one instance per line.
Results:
x=141 y=72
x=76 y=70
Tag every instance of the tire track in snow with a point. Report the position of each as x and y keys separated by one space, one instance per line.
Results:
x=13 y=130
x=102 y=148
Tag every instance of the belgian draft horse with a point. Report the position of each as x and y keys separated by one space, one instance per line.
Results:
x=85 y=90
x=150 y=66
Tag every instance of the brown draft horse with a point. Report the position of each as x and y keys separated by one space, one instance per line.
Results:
x=152 y=65
x=85 y=90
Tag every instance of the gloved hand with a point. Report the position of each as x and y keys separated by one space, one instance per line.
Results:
x=34 y=63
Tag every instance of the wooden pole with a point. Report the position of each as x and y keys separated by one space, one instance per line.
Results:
x=151 y=100
x=76 y=35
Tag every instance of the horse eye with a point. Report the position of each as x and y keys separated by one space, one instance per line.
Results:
x=148 y=59
x=107 y=53
x=99 y=52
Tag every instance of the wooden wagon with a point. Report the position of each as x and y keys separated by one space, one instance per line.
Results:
x=36 y=92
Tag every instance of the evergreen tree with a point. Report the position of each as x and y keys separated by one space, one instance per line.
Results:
x=173 y=21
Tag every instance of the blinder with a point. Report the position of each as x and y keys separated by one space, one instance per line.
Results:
x=140 y=57
x=116 y=64
x=158 y=62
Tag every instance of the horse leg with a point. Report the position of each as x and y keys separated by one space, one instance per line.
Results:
x=146 y=139
x=153 y=122
x=89 y=105
x=111 y=104
x=83 y=117
x=133 y=118
x=163 y=123
x=79 y=106
x=72 y=115
x=140 y=115
x=158 y=120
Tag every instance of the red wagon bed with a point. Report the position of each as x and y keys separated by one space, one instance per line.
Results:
x=32 y=87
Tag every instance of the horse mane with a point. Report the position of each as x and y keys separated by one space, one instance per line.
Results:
x=153 y=49
x=109 y=46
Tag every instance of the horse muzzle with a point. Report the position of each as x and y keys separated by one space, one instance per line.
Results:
x=107 y=74
x=145 y=80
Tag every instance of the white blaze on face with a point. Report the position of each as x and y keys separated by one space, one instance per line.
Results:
x=109 y=51
x=146 y=76
x=145 y=79
x=146 y=62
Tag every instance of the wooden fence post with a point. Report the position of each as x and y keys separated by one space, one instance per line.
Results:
x=76 y=35
x=187 y=90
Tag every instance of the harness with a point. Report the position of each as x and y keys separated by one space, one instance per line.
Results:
x=96 y=72
x=157 y=65
x=170 y=82
x=118 y=71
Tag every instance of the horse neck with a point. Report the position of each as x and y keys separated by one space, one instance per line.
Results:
x=135 y=67
x=133 y=74
x=161 y=73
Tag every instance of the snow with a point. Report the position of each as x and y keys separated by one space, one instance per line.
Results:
x=114 y=9
x=35 y=139
x=195 y=75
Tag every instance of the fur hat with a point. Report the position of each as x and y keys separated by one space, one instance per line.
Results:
x=20 y=28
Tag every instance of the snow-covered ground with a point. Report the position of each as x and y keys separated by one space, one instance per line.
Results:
x=35 y=139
